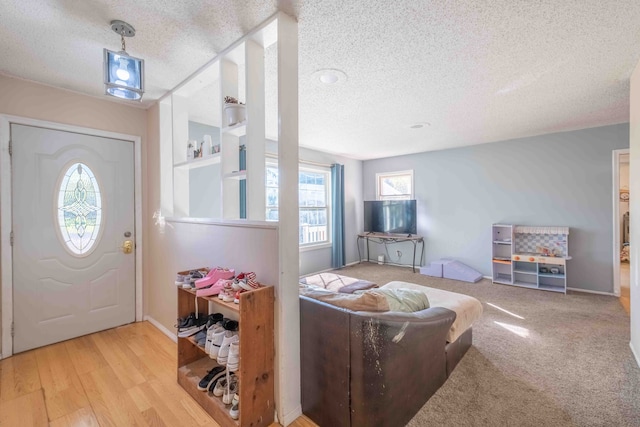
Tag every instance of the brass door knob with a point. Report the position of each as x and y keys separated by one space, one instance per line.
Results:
x=127 y=246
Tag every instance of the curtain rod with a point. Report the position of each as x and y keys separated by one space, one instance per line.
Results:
x=305 y=162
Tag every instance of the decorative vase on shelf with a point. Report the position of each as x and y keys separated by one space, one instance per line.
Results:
x=234 y=110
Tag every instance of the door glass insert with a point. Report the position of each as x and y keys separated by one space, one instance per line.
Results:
x=79 y=209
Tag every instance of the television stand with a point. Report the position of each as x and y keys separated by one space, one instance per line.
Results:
x=386 y=238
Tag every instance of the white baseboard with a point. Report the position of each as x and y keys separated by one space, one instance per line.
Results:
x=291 y=416
x=162 y=329
x=586 y=291
x=635 y=354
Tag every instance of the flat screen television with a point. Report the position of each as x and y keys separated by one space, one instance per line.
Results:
x=390 y=216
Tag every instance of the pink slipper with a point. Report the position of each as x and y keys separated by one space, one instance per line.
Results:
x=213 y=289
x=214 y=275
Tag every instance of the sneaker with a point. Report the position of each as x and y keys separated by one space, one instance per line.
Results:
x=214 y=275
x=210 y=332
x=214 y=319
x=236 y=397
x=180 y=279
x=213 y=375
x=230 y=390
x=216 y=342
x=248 y=281
x=212 y=290
x=187 y=332
x=234 y=412
x=228 y=296
x=223 y=385
x=215 y=383
x=201 y=338
x=223 y=352
x=233 y=362
x=188 y=322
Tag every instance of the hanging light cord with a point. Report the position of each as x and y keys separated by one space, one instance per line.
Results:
x=122 y=38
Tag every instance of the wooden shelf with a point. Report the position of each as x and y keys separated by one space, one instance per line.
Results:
x=256 y=374
x=214 y=299
x=525 y=272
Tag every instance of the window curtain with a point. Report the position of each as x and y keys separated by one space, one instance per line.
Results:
x=337 y=216
x=243 y=182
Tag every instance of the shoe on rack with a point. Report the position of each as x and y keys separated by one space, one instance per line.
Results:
x=216 y=342
x=213 y=375
x=189 y=321
x=233 y=361
x=187 y=332
x=214 y=275
x=191 y=277
x=223 y=384
x=230 y=390
x=212 y=290
x=223 y=352
x=234 y=412
x=214 y=319
x=216 y=381
x=180 y=279
x=201 y=338
x=228 y=296
x=213 y=329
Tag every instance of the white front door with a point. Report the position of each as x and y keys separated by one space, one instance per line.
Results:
x=73 y=209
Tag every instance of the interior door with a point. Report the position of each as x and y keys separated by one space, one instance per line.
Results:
x=73 y=211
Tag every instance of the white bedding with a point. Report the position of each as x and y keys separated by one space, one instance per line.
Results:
x=468 y=309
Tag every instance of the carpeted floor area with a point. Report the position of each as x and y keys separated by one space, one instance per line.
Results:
x=538 y=358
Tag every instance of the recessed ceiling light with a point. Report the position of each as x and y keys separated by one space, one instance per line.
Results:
x=329 y=76
x=420 y=125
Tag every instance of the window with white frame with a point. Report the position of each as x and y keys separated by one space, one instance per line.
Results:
x=394 y=185
x=313 y=201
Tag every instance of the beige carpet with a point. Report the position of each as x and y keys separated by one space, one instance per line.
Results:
x=556 y=360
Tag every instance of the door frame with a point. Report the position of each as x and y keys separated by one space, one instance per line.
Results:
x=616 y=154
x=6 y=221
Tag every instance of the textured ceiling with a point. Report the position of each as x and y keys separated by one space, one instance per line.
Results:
x=476 y=71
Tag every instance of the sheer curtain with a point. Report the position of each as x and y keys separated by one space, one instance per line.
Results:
x=337 y=216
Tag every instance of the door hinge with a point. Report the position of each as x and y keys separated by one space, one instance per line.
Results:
x=13 y=329
x=10 y=147
x=11 y=238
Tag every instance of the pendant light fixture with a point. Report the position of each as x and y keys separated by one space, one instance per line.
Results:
x=123 y=74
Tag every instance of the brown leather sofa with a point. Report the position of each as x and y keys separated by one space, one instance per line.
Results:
x=373 y=369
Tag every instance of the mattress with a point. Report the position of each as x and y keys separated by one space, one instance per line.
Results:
x=467 y=309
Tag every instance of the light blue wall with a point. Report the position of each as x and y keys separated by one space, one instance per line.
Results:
x=204 y=182
x=562 y=179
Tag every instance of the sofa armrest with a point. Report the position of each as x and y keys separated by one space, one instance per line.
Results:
x=397 y=363
x=324 y=360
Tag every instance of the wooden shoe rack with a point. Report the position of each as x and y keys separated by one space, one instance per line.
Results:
x=256 y=376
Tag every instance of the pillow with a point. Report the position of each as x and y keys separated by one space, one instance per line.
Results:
x=364 y=301
x=405 y=300
x=337 y=283
x=376 y=300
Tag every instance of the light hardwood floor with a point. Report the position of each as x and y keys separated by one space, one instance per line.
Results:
x=119 y=377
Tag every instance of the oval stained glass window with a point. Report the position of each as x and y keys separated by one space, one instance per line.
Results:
x=79 y=209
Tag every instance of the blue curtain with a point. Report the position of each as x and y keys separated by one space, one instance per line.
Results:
x=337 y=216
x=243 y=183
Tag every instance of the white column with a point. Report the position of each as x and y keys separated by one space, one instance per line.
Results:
x=287 y=304
x=229 y=144
x=255 y=142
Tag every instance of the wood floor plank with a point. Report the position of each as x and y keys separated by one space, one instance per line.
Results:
x=121 y=377
x=117 y=358
x=63 y=391
x=109 y=400
x=145 y=349
x=179 y=404
x=84 y=354
x=27 y=410
x=18 y=376
x=81 y=418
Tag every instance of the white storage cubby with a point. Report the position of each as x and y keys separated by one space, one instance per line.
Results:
x=530 y=257
x=209 y=186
